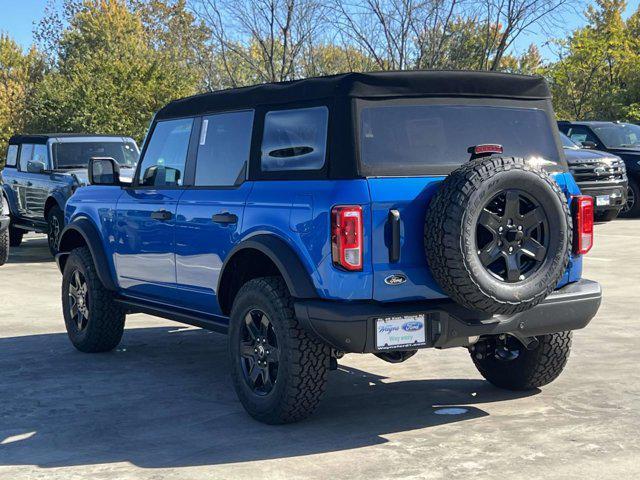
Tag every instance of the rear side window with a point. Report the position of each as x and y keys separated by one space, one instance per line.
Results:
x=223 y=150
x=25 y=155
x=164 y=160
x=295 y=139
x=12 y=156
x=434 y=139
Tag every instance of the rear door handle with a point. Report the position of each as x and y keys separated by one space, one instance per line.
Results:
x=162 y=215
x=225 y=218
x=29 y=184
x=394 y=247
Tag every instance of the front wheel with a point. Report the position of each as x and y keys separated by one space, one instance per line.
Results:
x=278 y=372
x=631 y=208
x=55 y=222
x=508 y=364
x=94 y=322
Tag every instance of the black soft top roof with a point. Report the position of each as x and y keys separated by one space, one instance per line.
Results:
x=364 y=85
x=41 y=138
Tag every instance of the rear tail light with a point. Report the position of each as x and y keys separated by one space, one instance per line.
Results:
x=583 y=224
x=488 y=149
x=346 y=237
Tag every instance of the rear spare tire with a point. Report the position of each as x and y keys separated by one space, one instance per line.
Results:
x=498 y=235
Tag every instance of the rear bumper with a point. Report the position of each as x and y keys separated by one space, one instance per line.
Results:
x=350 y=327
x=617 y=193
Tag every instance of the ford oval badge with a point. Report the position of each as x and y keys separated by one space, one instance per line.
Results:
x=395 y=279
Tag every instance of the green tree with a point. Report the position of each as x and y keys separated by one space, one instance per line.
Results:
x=20 y=75
x=111 y=72
x=597 y=64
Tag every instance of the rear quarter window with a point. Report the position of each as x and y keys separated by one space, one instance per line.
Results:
x=294 y=139
x=435 y=139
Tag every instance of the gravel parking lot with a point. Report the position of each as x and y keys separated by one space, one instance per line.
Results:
x=162 y=406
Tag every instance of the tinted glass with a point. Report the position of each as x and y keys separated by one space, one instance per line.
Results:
x=77 y=154
x=567 y=142
x=582 y=134
x=26 y=150
x=166 y=154
x=623 y=135
x=410 y=138
x=12 y=156
x=295 y=139
x=223 y=151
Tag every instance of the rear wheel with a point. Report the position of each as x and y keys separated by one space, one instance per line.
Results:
x=55 y=221
x=508 y=364
x=632 y=207
x=278 y=372
x=4 y=246
x=94 y=322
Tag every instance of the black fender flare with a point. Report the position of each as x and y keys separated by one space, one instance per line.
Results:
x=9 y=195
x=56 y=197
x=84 y=228
x=284 y=258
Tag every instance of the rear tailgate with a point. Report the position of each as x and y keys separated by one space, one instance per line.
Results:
x=410 y=197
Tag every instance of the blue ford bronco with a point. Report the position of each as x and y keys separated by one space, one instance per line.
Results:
x=43 y=171
x=359 y=213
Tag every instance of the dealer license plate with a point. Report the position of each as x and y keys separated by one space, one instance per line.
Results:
x=603 y=200
x=399 y=332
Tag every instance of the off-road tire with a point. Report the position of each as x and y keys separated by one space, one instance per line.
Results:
x=633 y=211
x=4 y=246
x=533 y=368
x=449 y=235
x=304 y=362
x=55 y=214
x=105 y=324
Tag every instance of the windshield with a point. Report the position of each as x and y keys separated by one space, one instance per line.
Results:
x=568 y=143
x=77 y=154
x=435 y=139
x=619 y=135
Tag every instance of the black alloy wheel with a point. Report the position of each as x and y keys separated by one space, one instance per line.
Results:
x=260 y=357
x=79 y=300
x=512 y=236
x=631 y=200
x=54 y=232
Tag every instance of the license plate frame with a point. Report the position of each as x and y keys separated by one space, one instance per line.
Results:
x=401 y=332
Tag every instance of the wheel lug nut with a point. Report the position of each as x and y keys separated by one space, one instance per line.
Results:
x=510 y=249
x=520 y=228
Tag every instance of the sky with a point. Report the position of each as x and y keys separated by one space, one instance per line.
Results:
x=17 y=18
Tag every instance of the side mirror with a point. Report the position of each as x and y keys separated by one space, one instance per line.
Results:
x=590 y=145
x=34 y=166
x=103 y=171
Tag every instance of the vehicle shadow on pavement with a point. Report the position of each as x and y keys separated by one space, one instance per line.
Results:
x=164 y=399
x=32 y=250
